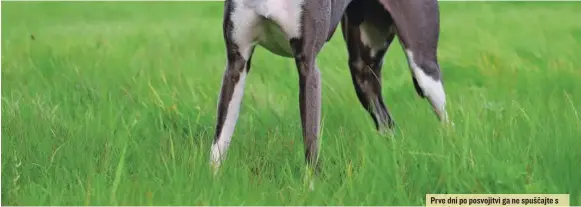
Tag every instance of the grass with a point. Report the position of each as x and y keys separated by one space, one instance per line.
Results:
x=113 y=103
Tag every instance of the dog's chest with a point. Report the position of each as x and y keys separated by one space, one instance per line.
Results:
x=278 y=21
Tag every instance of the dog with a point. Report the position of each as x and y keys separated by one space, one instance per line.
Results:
x=299 y=29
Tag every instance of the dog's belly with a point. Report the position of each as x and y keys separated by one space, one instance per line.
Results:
x=274 y=39
x=279 y=23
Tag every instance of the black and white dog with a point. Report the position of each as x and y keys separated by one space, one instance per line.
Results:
x=299 y=28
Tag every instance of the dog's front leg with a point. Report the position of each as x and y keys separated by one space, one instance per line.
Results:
x=314 y=31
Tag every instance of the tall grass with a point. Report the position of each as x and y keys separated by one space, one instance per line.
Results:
x=113 y=103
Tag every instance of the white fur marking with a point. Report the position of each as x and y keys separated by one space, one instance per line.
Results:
x=221 y=146
x=372 y=37
x=433 y=89
x=287 y=14
x=245 y=29
x=359 y=63
x=249 y=26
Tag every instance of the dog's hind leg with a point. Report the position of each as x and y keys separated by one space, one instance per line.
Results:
x=418 y=27
x=368 y=31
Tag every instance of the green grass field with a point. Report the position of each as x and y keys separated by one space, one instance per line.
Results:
x=113 y=103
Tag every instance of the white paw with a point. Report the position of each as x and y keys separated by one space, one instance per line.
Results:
x=215 y=159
